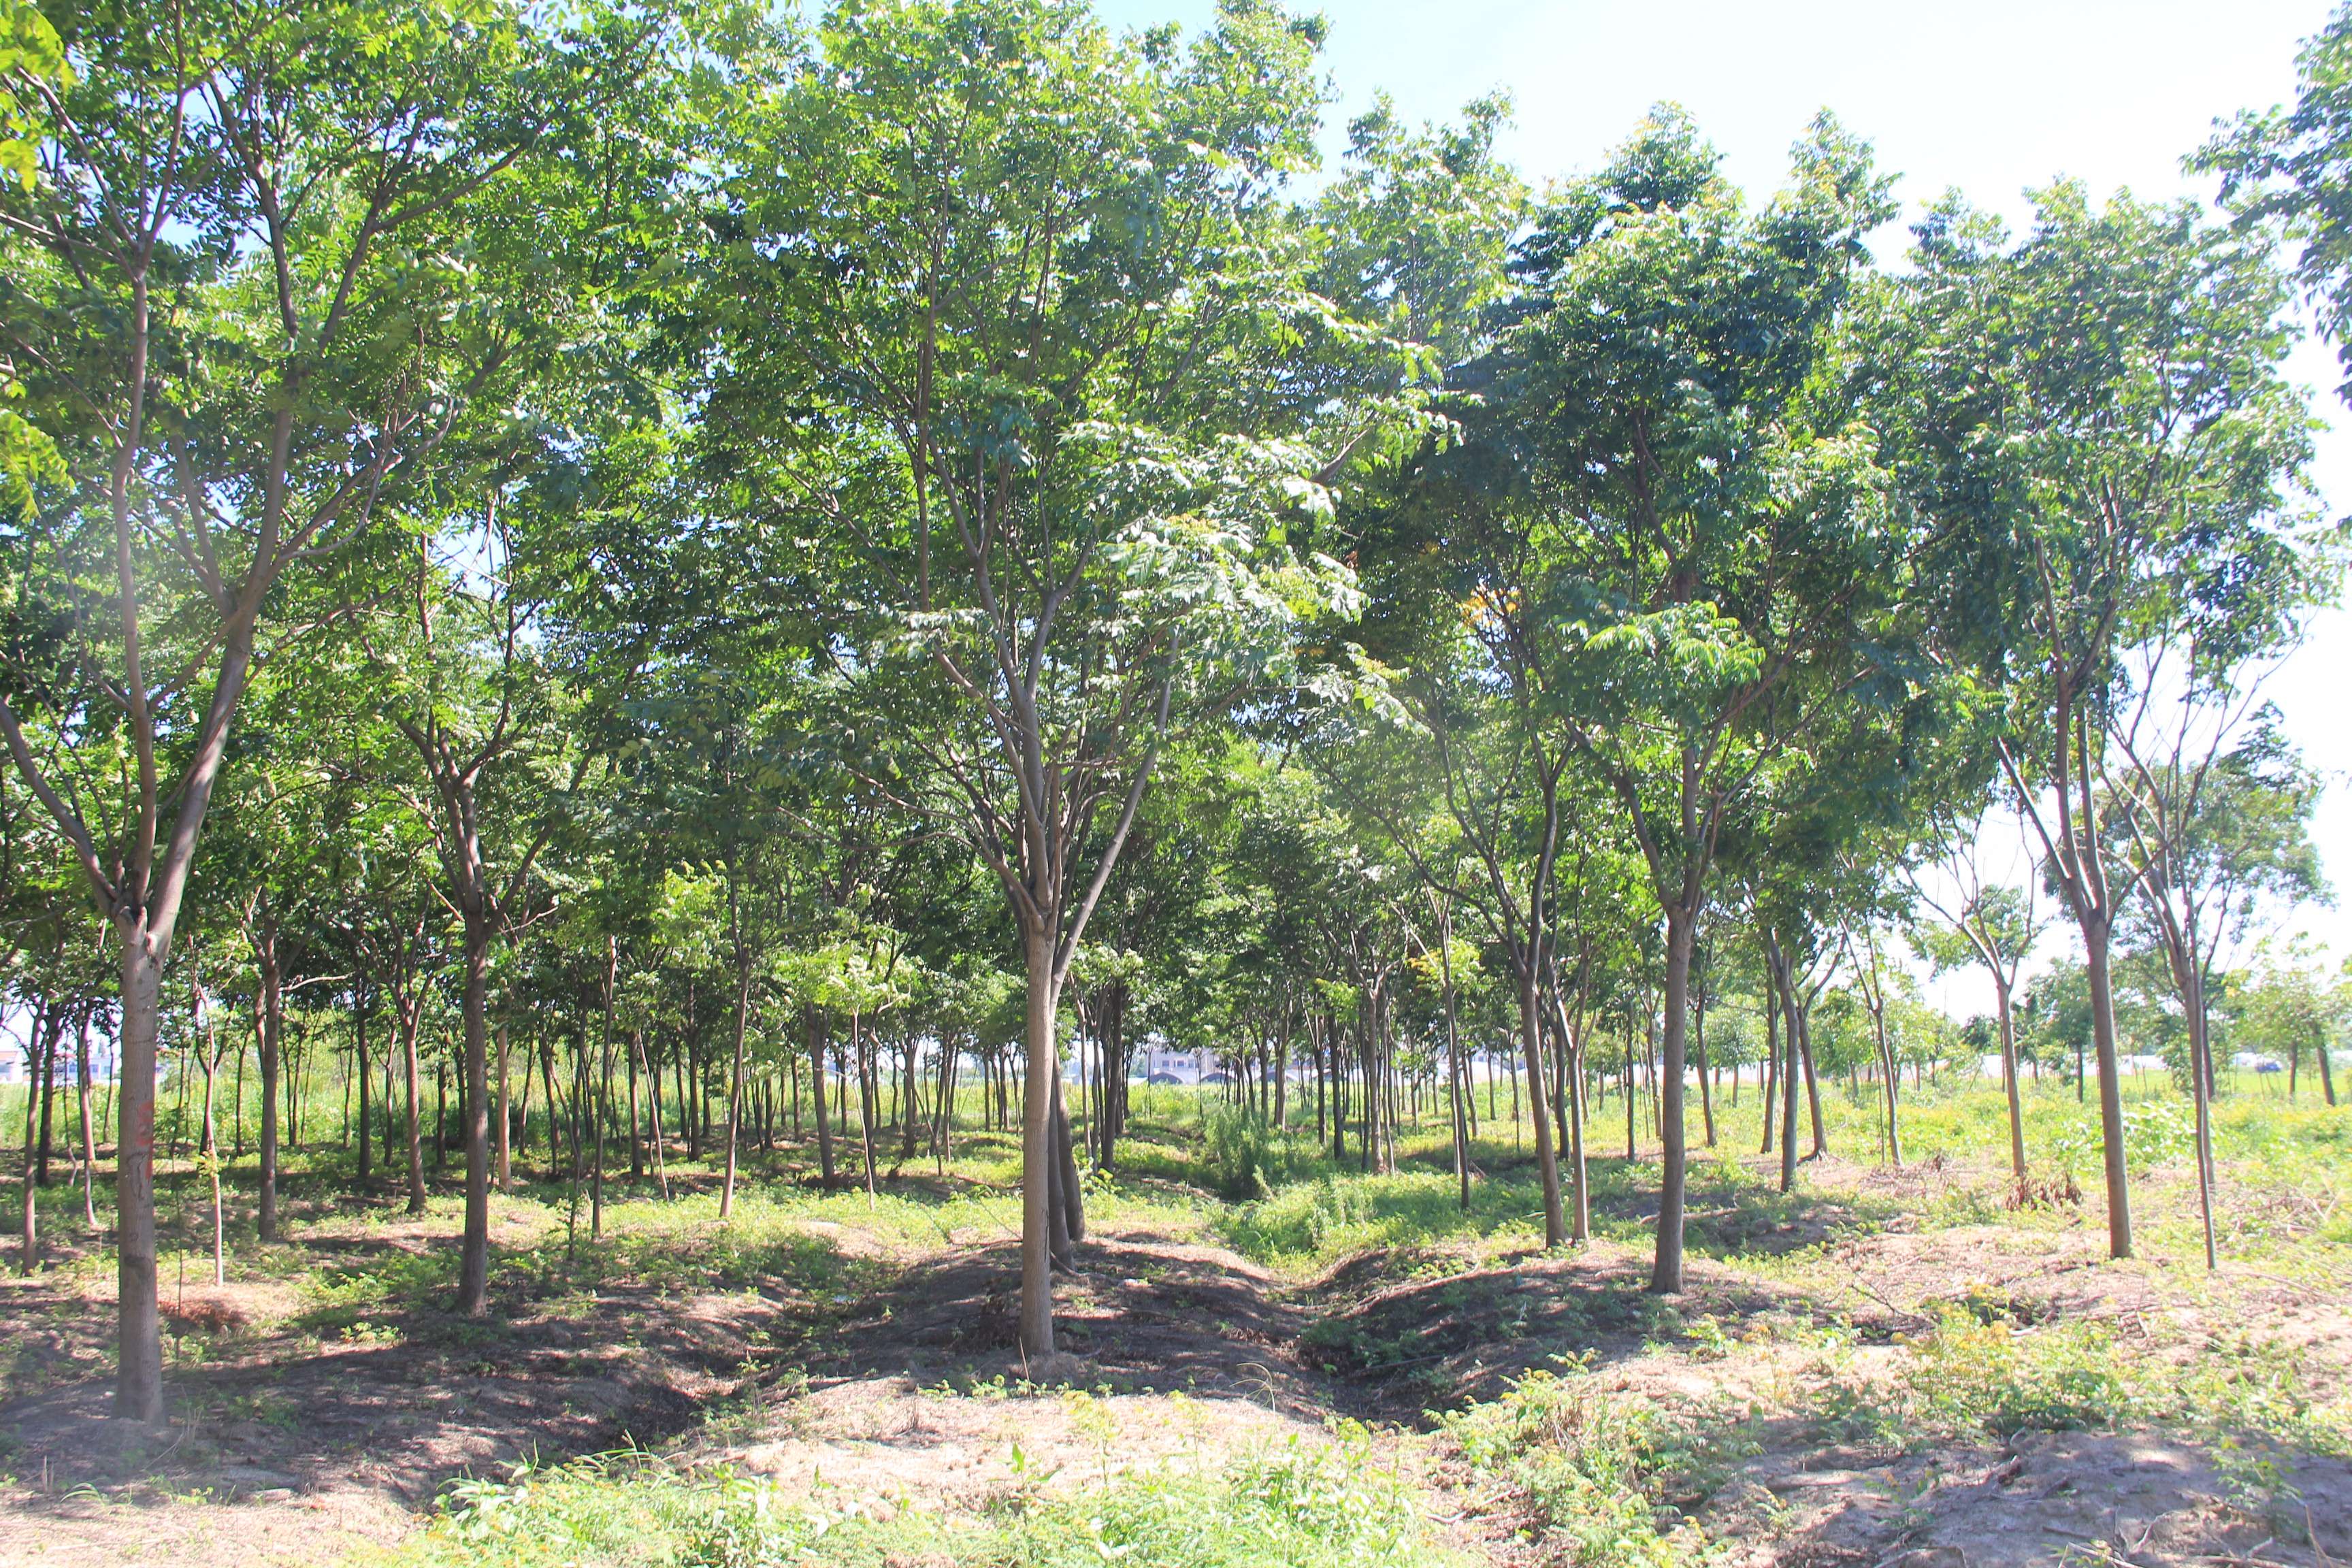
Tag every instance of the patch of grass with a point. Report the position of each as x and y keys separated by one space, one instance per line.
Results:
x=1296 y=1505
x=1589 y=1466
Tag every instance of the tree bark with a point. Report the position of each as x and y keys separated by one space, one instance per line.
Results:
x=735 y=1079
x=273 y=1015
x=815 y=1028
x=2095 y=936
x=412 y=1017
x=474 y=1252
x=506 y=1117
x=28 y=1238
x=88 y=1134
x=139 y=1367
x=2005 y=1008
x=1037 y=1145
x=1531 y=1044
x=1666 y=1271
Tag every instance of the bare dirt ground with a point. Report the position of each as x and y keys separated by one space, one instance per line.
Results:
x=1438 y=1326
x=290 y=1448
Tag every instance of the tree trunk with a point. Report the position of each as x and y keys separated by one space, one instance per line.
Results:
x=637 y=1149
x=1666 y=1272
x=735 y=1081
x=2199 y=1053
x=1072 y=1195
x=1531 y=1044
x=861 y=1059
x=1812 y=1078
x=28 y=1238
x=2095 y=934
x=1699 y=1039
x=43 y=1073
x=506 y=1116
x=1037 y=1145
x=815 y=1028
x=139 y=1366
x=89 y=1136
x=1791 y=1068
x=1767 y=1077
x=2006 y=1010
x=474 y=1252
x=366 y=1072
x=653 y=1116
x=273 y=1016
x=410 y=1018
x=212 y=1132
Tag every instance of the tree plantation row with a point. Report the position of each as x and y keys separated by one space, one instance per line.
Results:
x=604 y=587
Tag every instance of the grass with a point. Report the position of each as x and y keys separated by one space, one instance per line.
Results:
x=1292 y=1505
x=1612 y=1477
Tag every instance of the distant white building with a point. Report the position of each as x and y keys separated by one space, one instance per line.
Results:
x=1157 y=1064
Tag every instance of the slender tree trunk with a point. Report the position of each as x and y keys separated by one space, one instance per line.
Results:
x=365 y=1065
x=815 y=1028
x=273 y=1016
x=1038 y=1144
x=474 y=1250
x=1812 y=1078
x=506 y=1117
x=1699 y=1039
x=1791 y=1070
x=547 y=1084
x=601 y=1106
x=89 y=1136
x=1073 y=1197
x=410 y=1019
x=1891 y=1071
x=2095 y=935
x=1633 y=1091
x=43 y=1073
x=1767 y=1077
x=653 y=1134
x=1531 y=1044
x=735 y=1079
x=1453 y=1059
x=860 y=1044
x=1666 y=1271
x=28 y=1238
x=2005 y=1007
x=212 y=1142
x=637 y=1149
x=2200 y=1050
x=139 y=1367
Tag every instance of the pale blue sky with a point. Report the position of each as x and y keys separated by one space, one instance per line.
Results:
x=1993 y=97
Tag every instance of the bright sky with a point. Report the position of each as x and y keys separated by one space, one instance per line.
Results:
x=1992 y=98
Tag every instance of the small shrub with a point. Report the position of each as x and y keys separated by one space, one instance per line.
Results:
x=1584 y=1459
x=1240 y=1151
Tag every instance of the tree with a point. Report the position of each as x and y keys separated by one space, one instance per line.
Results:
x=2290 y=171
x=2206 y=837
x=243 y=219
x=1718 y=542
x=1988 y=924
x=2101 y=418
x=2284 y=1007
x=1039 y=270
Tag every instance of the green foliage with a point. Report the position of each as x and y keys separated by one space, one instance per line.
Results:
x=1246 y=1159
x=1584 y=1458
x=1298 y=1505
